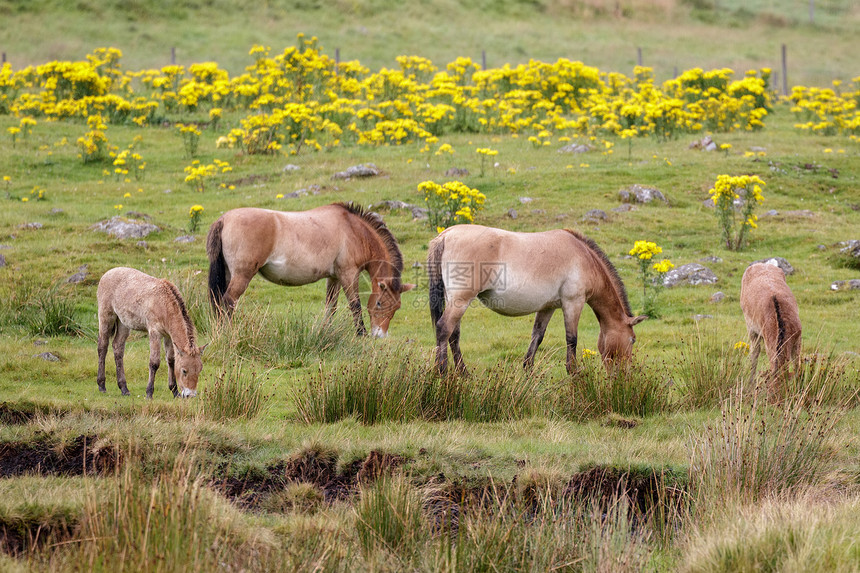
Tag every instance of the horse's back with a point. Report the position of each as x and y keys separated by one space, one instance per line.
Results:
x=128 y=294
x=766 y=299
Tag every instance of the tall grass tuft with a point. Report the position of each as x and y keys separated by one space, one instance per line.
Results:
x=195 y=293
x=49 y=313
x=709 y=369
x=754 y=451
x=170 y=522
x=628 y=389
x=389 y=517
x=232 y=394
x=391 y=383
x=825 y=379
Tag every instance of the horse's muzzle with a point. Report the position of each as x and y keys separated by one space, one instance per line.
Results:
x=377 y=332
x=186 y=393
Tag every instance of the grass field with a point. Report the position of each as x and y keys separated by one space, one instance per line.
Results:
x=311 y=449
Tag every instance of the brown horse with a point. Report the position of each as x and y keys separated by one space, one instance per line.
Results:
x=334 y=242
x=131 y=300
x=515 y=274
x=771 y=313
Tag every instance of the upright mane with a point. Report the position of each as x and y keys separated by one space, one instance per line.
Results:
x=189 y=326
x=378 y=226
x=608 y=267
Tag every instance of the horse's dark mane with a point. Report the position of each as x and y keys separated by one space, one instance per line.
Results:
x=189 y=326
x=607 y=264
x=378 y=225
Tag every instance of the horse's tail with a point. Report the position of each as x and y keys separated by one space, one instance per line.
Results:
x=780 y=326
x=437 y=285
x=217 y=266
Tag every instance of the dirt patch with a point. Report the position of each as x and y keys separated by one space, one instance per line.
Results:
x=18 y=539
x=314 y=466
x=16 y=414
x=80 y=457
x=643 y=489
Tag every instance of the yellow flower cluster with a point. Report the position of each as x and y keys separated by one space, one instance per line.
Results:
x=725 y=190
x=663 y=266
x=645 y=250
x=451 y=203
x=303 y=99
x=197 y=173
x=728 y=203
x=828 y=111
x=195 y=210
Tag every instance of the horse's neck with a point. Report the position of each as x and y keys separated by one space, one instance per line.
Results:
x=606 y=303
x=374 y=255
x=179 y=331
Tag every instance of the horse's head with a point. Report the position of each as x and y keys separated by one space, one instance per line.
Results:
x=383 y=302
x=187 y=369
x=616 y=342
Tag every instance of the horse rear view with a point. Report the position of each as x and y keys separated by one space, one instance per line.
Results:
x=771 y=313
x=131 y=300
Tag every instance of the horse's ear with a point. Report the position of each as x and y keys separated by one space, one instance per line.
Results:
x=381 y=285
x=202 y=348
x=637 y=319
x=178 y=351
x=406 y=287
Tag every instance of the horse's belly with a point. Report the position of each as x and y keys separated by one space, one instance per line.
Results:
x=512 y=302
x=286 y=274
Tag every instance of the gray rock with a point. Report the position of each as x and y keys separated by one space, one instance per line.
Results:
x=538 y=212
x=710 y=259
x=640 y=194
x=717 y=297
x=124 y=228
x=783 y=264
x=358 y=172
x=56 y=211
x=79 y=276
x=757 y=149
x=142 y=244
x=705 y=144
x=167 y=191
x=2 y=261
x=5 y=247
x=851 y=248
x=290 y=167
x=512 y=213
x=771 y=213
x=698 y=317
x=418 y=213
x=457 y=172
x=47 y=356
x=624 y=208
x=525 y=200
x=853 y=284
x=708 y=203
x=30 y=226
x=560 y=217
x=185 y=239
x=689 y=274
x=595 y=216
x=38 y=342
x=575 y=148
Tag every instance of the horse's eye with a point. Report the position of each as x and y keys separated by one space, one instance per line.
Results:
x=184 y=372
x=379 y=304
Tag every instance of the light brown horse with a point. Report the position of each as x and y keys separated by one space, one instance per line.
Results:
x=515 y=274
x=334 y=242
x=771 y=313
x=132 y=300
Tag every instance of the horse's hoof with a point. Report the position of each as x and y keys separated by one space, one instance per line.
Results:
x=126 y=393
x=102 y=390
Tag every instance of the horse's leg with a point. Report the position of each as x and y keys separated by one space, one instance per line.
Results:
x=170 y=356
x=239 y=280
x=448 y=331
x=350 y=289
x=332 y=290
x=541 y=321
x=572 y=309
x=154 y=360
x=755 y=350
x=106 y=328
x=122 y=332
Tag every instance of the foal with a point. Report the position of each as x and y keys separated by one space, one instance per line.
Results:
x=131 y=300
x=771 y=313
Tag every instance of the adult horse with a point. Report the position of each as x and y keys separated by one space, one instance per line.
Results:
x=334 y=242
x=515 y=274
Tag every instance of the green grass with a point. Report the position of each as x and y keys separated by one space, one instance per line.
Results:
x=279 y=383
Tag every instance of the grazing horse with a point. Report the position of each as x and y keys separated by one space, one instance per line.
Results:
x=515 y=274
x=334 y=242
x=771 y=313
x=131 y=300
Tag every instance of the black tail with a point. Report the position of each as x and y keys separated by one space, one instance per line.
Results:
x=217 y=266
x=780 y=339
x=437 y=285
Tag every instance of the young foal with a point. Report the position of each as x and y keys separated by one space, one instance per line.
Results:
x=131 y=300
x=771 y=313
x=335 y=242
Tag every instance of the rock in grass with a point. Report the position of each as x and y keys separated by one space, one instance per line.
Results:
x=595 y=216
x=575 y=148
x=852 y=284
x=47 y=356
x=358 y=172
x=418 y=213
x=2 y=261
x=783 y=264
x=457 y=172
x=717 y=297
x=79 y=276
x=641 y=194
x=689 y=274
x=185 y=239
x=125 y=228
x=30 y=226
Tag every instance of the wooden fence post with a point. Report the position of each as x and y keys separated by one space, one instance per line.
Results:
x=483 y=59
x=336 y=60
x=173 y=56
x=639 y=57
x=784 y=70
